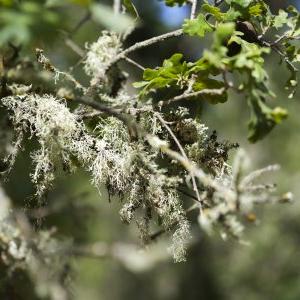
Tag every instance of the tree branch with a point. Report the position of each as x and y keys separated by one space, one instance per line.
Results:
x=185 y=96
x=117 y=6
x=193 y=9
x=144 y=44
x=218 y=2
x=134 y=63
x=182 y=153
x=105 y=109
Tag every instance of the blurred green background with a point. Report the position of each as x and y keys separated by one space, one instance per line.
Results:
x=269 y=268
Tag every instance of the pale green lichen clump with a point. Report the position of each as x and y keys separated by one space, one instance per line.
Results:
x=130 y=169
x=100 y=54
x=126 y=168
x=35 y=253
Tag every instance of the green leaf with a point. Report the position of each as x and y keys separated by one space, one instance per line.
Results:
x=173 y=61
x=197 y=26
x=243 y=3
x=213 y=10
x=215 y=58
x=281 y=19
x=232 y=15
x=223 y=32
x=200 y=66
x=131 y=8
x=250 y=59
x=173 y=72
x=208 y=83
x=139 y=84
x=264 y=118
x=256 y=10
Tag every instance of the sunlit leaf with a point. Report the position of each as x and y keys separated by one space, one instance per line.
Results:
x=131 y=8
x=197 y=26
x=263 y=118
x=281 y=19
x=243 y=3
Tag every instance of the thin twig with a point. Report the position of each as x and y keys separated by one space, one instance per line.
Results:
x=117 y=6
x=105 y=109
x=275 y=47
x=96 y=250
x=73 y=46
x=89 y=115
x=48 y=66
x=134 y=63
x=191 y=167
x=158 y=233
x=187 y=194
x=182 y=153
x=193 y=9
x=280 y=39
x=81 y=22
x=218 y=2
x=68 y=36
x=288 y=62
x=185 y=96
x=144 y=44
x=254 y=175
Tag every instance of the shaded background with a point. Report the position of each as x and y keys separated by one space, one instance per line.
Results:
x=267 y=269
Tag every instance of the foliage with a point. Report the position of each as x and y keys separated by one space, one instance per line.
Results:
x=240 y=53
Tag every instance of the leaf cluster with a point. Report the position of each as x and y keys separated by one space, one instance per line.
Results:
x=240 y=43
